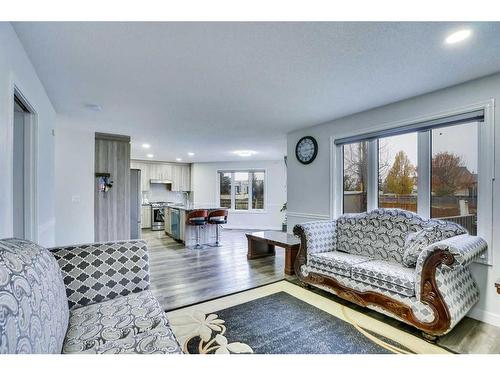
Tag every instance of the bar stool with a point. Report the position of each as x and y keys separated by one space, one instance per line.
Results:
x=217 y=217
x=197 y=218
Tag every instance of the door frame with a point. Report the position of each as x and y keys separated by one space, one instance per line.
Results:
x=30 y=164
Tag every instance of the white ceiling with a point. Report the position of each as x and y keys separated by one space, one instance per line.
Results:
x=212 y=88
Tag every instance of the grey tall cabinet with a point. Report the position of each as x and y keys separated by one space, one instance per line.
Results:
x=112 y=208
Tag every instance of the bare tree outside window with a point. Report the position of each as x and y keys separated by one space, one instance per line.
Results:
x=225 y=189
x=257 y=190
x=454 y=174
x=355 y=177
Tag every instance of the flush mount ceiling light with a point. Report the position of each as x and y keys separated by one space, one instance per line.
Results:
x=146 y=145
x=244 y=153
x=190 y=153
x=93 y=107
x=150 y=155
x=458 y=36
x=178 y=159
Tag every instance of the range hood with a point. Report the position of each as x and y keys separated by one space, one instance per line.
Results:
x=165 y=182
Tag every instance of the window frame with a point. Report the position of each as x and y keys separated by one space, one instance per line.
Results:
x=486 y=171
x=250 y=190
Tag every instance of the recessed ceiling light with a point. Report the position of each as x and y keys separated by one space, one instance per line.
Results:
x=244 y=153
x=178 y=159
x=458 y=36
x=191 y=153
x=146 y=145
x=93 y=107
x=150 y=155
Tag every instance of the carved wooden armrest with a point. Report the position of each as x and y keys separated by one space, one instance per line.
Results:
x=464 y=249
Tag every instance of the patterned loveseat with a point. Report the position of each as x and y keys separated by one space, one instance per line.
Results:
x=82 y=299
x=395 y=262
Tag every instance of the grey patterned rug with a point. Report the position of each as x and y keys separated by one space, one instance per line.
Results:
x=283 y=324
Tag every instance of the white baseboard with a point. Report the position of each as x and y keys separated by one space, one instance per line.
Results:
x=485 y=316
x=304 y=215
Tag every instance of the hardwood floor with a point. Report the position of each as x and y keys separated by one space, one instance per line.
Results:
x=181 y=276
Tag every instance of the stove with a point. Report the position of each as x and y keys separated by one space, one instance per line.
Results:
x=158 y=215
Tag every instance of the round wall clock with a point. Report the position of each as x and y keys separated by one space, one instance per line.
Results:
x=306 y=150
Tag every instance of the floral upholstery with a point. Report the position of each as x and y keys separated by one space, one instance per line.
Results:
x=436 y=231
x=103 y=271
x=33 y=306
x=132 y=324
x=386 y=275
x=381 y=236
x=336 y=262
x=381 y=233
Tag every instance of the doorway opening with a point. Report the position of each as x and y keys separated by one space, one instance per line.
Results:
x=23 y=170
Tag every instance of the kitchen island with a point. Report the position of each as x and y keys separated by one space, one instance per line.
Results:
x=176 y=227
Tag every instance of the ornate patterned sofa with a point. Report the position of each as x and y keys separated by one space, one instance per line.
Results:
x=395 y=262
x=81 y=299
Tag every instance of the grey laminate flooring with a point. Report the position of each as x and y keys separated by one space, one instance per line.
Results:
x=181 y=276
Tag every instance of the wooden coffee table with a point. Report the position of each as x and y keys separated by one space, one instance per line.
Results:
x=262 y=244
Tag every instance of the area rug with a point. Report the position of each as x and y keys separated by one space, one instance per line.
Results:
x=280 y=324
x=285 y=318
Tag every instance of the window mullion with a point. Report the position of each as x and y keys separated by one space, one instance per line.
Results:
x=250 y=190
x=233 y=193
x=372 y=187
x=424 y=157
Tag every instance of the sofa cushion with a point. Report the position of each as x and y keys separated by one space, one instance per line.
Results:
x=336 y=262
x=132 y=324
x=33 y=305
x=386 y=275
x=99 y=272
x=416 y=242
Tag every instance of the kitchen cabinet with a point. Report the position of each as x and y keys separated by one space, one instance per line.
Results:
x=168 y=225
x=146 y=217
x=165 y=171
x=182 y=224
x=181 y=178
x=179 y=174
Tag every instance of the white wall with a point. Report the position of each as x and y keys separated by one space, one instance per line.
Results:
x=16 y=71
x=205 y=190
x=309 y=186
x=74 y=183
x=159 y=193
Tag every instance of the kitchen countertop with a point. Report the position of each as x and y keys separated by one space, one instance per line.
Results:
x=195 y=207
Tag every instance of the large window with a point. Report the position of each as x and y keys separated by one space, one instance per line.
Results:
x=397 y=172
x=241 y=190
x=355 y=177
x=454 y=174
x=225 y=182
x=257 y=190
x=437 y=169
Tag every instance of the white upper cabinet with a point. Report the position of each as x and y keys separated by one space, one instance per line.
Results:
x=179 y=174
